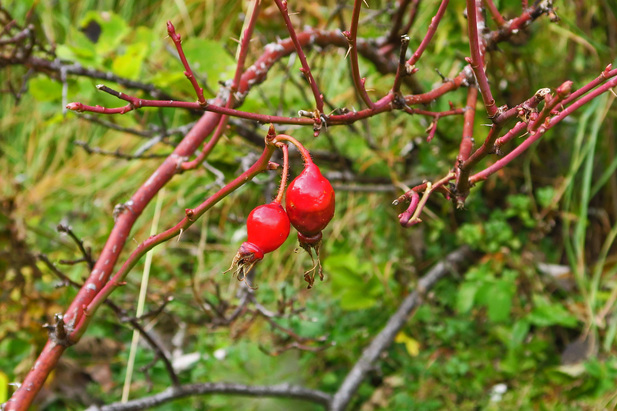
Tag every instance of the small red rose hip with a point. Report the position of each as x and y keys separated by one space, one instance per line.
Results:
x=310 y=205
x=267 y=228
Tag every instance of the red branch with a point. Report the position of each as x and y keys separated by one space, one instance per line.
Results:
x=231 y=101
x=432 y=28
x=466 y=145
x=306 y=70
x=477 y=46
x=352 y=37
x=177 y=39
x=494 y=12
x=535 y=135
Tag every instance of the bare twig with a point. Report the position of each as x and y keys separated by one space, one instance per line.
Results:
x=85 y=252
x=117 y=153
x=182 y=391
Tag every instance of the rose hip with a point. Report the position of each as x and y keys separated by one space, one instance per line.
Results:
x=267 y=228
x=310 y=201
x=310 y=206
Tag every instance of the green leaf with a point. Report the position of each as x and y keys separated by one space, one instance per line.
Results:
x=470 y=234
x=356 y=299
x=113 y=30
x=545 y=195
x=45 y=89
x=353 y=281
x=520 y=329
x=545 y=314
x=466 y=297
x=79 y=48
x=129 y=64
x=499 y=302
x=498 y=233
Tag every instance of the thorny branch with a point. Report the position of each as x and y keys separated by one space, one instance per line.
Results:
x=160 y=352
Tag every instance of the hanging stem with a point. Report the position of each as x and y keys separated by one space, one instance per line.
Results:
x=303 y=151
x=281 y=192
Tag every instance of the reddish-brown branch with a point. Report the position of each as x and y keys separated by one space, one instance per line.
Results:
x=562 y=92
x=383 y=105
x=477 y=47
x=606 y=74
x=513 y=26
x=352 y=37
x=466 y=145
x=494 y=12
x=432 y=128
x=535 y=135
x=231 y=101
x=411 y=216
x=402 y=69
x=432 y=28
x=108 y=257
x=522 y=110
x=177 y=39
x=135 y=103
x=511 y=134
x=306 y=70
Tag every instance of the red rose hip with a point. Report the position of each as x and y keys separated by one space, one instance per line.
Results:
x=310 y=205
x=267 y=228
x=310 y=202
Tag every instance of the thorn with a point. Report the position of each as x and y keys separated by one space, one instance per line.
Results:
x=347 y=53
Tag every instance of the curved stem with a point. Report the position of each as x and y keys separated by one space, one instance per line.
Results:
x=281 y=192
x=303 y=151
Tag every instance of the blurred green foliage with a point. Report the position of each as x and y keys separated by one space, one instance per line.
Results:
x=505 y=321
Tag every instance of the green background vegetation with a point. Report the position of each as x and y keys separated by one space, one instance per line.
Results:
x=504 y=321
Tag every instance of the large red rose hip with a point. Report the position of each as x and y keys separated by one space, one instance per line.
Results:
x=310 y=202
x=310 y=205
